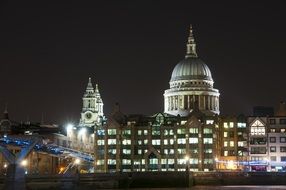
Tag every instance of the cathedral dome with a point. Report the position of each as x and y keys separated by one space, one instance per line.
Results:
x=191 y=68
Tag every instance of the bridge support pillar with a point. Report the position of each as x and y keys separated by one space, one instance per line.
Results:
x=15 y=178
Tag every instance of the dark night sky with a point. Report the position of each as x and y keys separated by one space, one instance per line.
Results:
x=48 y=51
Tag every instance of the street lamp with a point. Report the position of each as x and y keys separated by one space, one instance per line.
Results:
x=187 y=159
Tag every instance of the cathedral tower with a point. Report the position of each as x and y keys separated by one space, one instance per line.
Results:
x=92 y=107
x=191 y=86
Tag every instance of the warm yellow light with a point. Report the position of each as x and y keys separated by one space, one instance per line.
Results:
x=5 y=165
x=24 y=163
x=77 y=161
x=231 y=165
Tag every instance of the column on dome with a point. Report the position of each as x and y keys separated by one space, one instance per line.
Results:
x=209 y=103
x=204 y=102
x=188 y=101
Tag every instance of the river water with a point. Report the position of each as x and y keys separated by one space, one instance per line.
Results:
x=244 y=187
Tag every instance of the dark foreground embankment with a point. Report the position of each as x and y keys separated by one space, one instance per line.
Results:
x=150 y=180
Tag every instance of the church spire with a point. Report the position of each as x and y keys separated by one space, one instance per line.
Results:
x=191 y=45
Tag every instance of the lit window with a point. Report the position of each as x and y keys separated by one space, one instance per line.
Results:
x=100 y=142
x=171 y=161
x=194 y=161
x=111 y=162
x=225 y=125
x=225 y=143
x=272 y=130
x=257 y=130
x=181 y=141
x=139 y=142
x=210 y=122
x=181 y=151
x=181 y=131
x=139 y=151
x=208 y=141
x=126 y=151
x=163 y=161
x=272 y=148
x=208 y=151
x=165 y=141
x=171 y=151
x=126 y=142
x=111 y=141
x=208 y=131
x=127 y=132
x=225 y=153
x=166 y=132
x=193 y=140
x=139 y=132
x=100 y=162
x=126 y=162
x=181 y=161
x=231 y=143
x=145 y=141
x=282 y=130
x=171 y=132
x=208 y=161
x=111 y=131
x=171 y=141
x=145 y=132
x=231 y=124
x=241 y=125
x=166 y=151
x=156 y=142
x=225 y=134
x=143 y=161
x=241 y=143
x=194 y=130
x=112 y=151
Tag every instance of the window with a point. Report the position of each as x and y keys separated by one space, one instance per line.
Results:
x=139 y=132
x=111 y=141
x=257 y=130
x=145 y=141
x=225 y=125
x=283 y=158
x=225 y=153
x=282 y=130
x=209 y=122
x=181 y=151
x=145 y=132
x=139 y=151
x=225 y=143
x=231 y=143
x=208 y=141
x=194 y=161
x=126 y=162
x=273 y=158
x=272 y=130
x=225 y=134
x=171 y=141
x=208 y=151
x=112 y=151
x=282 y=139
x=171 y=132
x=139 y=142
x=100 y=162
x=241 y=143
x=100 y=132
x=282 y=121
x=258 y=150
x=272 y=121
x=181 y=141
x=165 y=141
x=126 y=151
x=126 y=142
x=241 y=125
x=282 y=148
x=181 y=131
x=156 y=142
x=111 y=131
x=272 y=148
x=100 y=142
x=194 y=130
x=193 y=140
x=208 y=131
x=111 y=162
x=127 y=132
x=231 y=124
x=273 y=139
x=208 y=161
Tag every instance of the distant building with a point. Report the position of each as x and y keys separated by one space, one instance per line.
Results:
x=191 y=83
x=5 y=124
x=92 y=107
x=233 y=143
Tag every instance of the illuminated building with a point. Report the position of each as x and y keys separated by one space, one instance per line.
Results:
x=267 y=143
x=92 y=107
x=156 y=143
x=187 y=128
x=233 y=140
x=191 y=83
